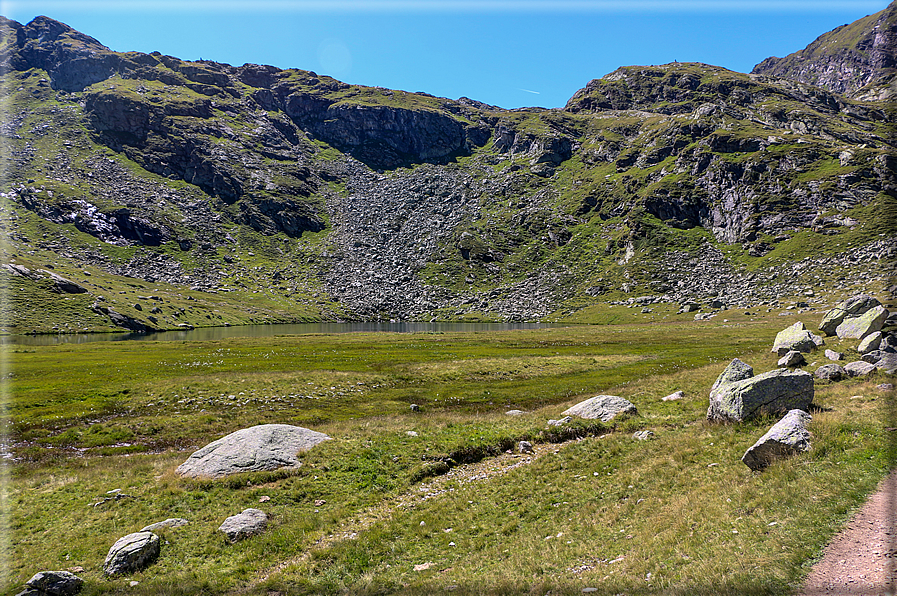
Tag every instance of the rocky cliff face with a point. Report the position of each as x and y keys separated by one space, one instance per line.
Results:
x=379 y=203
x=858 y=59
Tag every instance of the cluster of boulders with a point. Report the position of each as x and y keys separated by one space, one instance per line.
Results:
x=738 y=394
x=259 y=448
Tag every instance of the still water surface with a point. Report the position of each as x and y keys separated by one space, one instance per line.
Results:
x=217 y=333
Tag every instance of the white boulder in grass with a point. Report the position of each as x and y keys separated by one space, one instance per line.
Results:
x=789 y=436
x=602 y=407
x=256 y=449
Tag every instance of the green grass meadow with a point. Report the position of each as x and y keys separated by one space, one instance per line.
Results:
x=452 y=509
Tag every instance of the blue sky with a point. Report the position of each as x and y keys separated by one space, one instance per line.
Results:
x=510 y=53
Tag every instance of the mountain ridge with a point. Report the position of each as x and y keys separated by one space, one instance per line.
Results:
x=346 y=201
x=858 y=59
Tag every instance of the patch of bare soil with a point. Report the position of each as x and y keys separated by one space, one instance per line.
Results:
x=862 y=559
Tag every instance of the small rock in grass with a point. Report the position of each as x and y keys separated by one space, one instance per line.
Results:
x=830 y=372
x=414 y=408
x=859 y=368
x=885 y=387
x=796 y=337
x=560 y=422
x=259 y=448
x=514 y=413
x=172 y=522
x=833 y=355
x=411 y=433
x=602 y=407
x=674 y=396
x=792 y=359
x=643 y=435
x=132 y=553
x=525 y=447
x=423 y=566
x=56 y=583
x=243 y=525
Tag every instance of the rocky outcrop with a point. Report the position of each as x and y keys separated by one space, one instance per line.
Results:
x=859 y=368
x=789 y=436
x=259 y=448
x=503 y=234
x=602 y=407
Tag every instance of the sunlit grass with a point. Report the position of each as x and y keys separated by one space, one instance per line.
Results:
x=596 y=509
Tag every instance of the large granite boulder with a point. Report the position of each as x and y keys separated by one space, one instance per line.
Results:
x=602 y=407
x=258 y=448
x=789 y=436
x=54 y=583
x=243 y=525
x=132 y=553
x=735 y=371
x=861 y=326
x=852 y=307
x=794 y=338
x=778 y=390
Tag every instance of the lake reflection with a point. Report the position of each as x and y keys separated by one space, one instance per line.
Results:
x=216 y=333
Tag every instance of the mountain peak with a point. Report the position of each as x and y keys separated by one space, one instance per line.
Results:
x=857 y=59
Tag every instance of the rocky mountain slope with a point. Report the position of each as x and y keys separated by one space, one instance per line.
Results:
x=254 y=194
x=858 y=59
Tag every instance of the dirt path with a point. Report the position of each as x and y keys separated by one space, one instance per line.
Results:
x=862 y=559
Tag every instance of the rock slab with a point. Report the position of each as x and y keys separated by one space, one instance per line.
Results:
x=602 y=407
x=255 y=449
x=852 y=307
x=243 y=525
x=861 y=326
x=870 y=343
x=56 y=583
x=789 y=436
x=132 y=553
x=778 y=390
